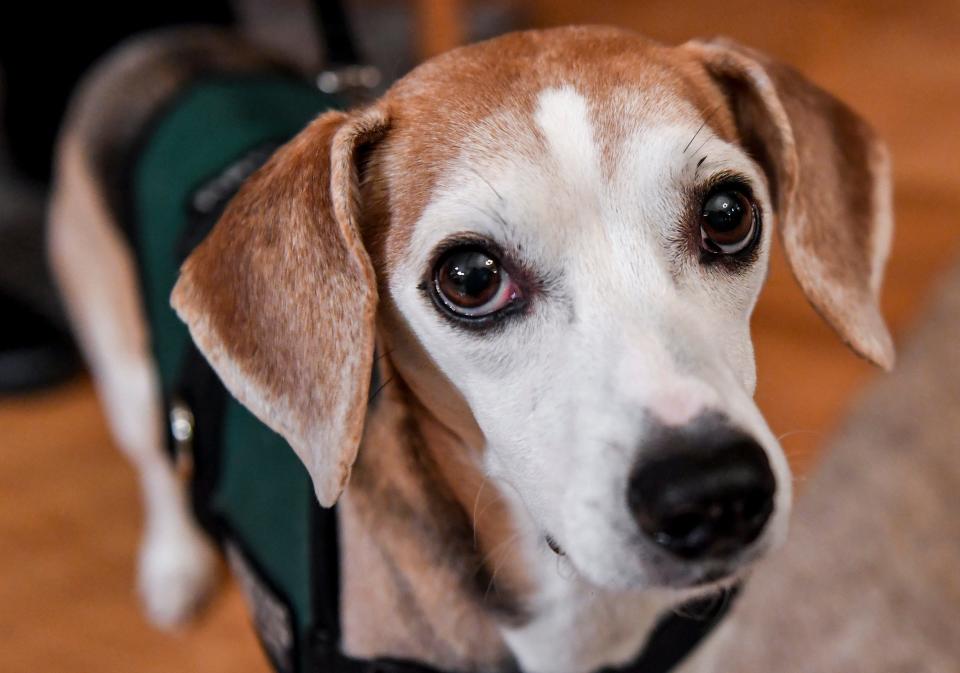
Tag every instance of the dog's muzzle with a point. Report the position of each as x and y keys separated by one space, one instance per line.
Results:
x=704 y=491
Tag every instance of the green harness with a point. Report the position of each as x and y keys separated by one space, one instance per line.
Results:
x=179 y=187
x=249 y=490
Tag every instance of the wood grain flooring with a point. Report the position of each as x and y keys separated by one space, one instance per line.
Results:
x=69 y=510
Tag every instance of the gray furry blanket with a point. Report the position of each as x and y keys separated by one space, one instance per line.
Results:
x=870 y=578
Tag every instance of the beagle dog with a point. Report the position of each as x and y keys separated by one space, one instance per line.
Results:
x=549 y=246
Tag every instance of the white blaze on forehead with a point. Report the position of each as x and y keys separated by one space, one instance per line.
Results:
x=563 y=118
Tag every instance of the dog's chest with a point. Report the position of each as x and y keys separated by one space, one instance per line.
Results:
x=579 y=628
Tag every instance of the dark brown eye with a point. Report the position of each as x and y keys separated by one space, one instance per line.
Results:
x=729 y=222
x=471 y=283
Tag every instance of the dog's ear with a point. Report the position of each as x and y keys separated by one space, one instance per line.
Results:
x=830 y=182
x=281 y=296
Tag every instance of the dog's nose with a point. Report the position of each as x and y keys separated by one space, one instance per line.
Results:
x=704 y=494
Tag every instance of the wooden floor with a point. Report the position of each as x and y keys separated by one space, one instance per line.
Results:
x=69 y=514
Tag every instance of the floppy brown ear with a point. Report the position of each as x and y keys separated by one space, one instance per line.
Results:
x=280 y=297
x=830 y=181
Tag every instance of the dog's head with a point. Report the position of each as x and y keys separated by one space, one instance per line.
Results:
x=561 y=236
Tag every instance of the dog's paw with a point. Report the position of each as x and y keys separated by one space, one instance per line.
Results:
x=178 y=570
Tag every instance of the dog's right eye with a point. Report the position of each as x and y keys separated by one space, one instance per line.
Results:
x=471 y=283
x=729 y=222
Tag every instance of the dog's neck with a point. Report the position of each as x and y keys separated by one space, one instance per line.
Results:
x=417 y=574
x=436 y=566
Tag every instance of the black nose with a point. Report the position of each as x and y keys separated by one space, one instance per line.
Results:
x=707 y=491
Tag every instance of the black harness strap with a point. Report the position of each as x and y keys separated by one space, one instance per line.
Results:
x=325 y=566
x=679 y=633
x=202 y=391
x=674 y=638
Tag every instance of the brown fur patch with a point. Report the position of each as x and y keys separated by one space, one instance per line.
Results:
x=409 y=504
x=436 y=513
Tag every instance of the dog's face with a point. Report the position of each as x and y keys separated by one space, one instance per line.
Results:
x=572 y=227
x=584 y=273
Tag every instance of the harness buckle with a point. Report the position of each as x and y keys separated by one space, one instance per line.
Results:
x=182 y=424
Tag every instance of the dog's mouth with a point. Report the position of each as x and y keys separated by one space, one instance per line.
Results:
x=554 y=547
x=681 y=575
x=713 y=576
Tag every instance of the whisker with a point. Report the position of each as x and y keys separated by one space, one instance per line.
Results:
x=489 y=213
x=487 y=506
x=563 y=563
x=704 y=143
x=700 y=128
x=702 y=608
x=791 y=433
x=487 y=183
x=699 y=164
x=616 y=447
x=499 y=547
x=476 y=503
x=379 y=390
x=382 y=355
x=493 y=577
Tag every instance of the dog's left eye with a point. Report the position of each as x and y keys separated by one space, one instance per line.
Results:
x=471 y=283
x=729 y=222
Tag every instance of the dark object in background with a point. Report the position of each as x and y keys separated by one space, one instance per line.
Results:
x=35 y=346
x=44 y=50
x=46 y=47
x=34 y=351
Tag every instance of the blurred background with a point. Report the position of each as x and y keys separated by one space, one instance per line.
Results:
x=69 y=508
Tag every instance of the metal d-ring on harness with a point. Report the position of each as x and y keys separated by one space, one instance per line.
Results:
x=218 y=447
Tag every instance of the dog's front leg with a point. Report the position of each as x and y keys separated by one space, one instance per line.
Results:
x=96 y=275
